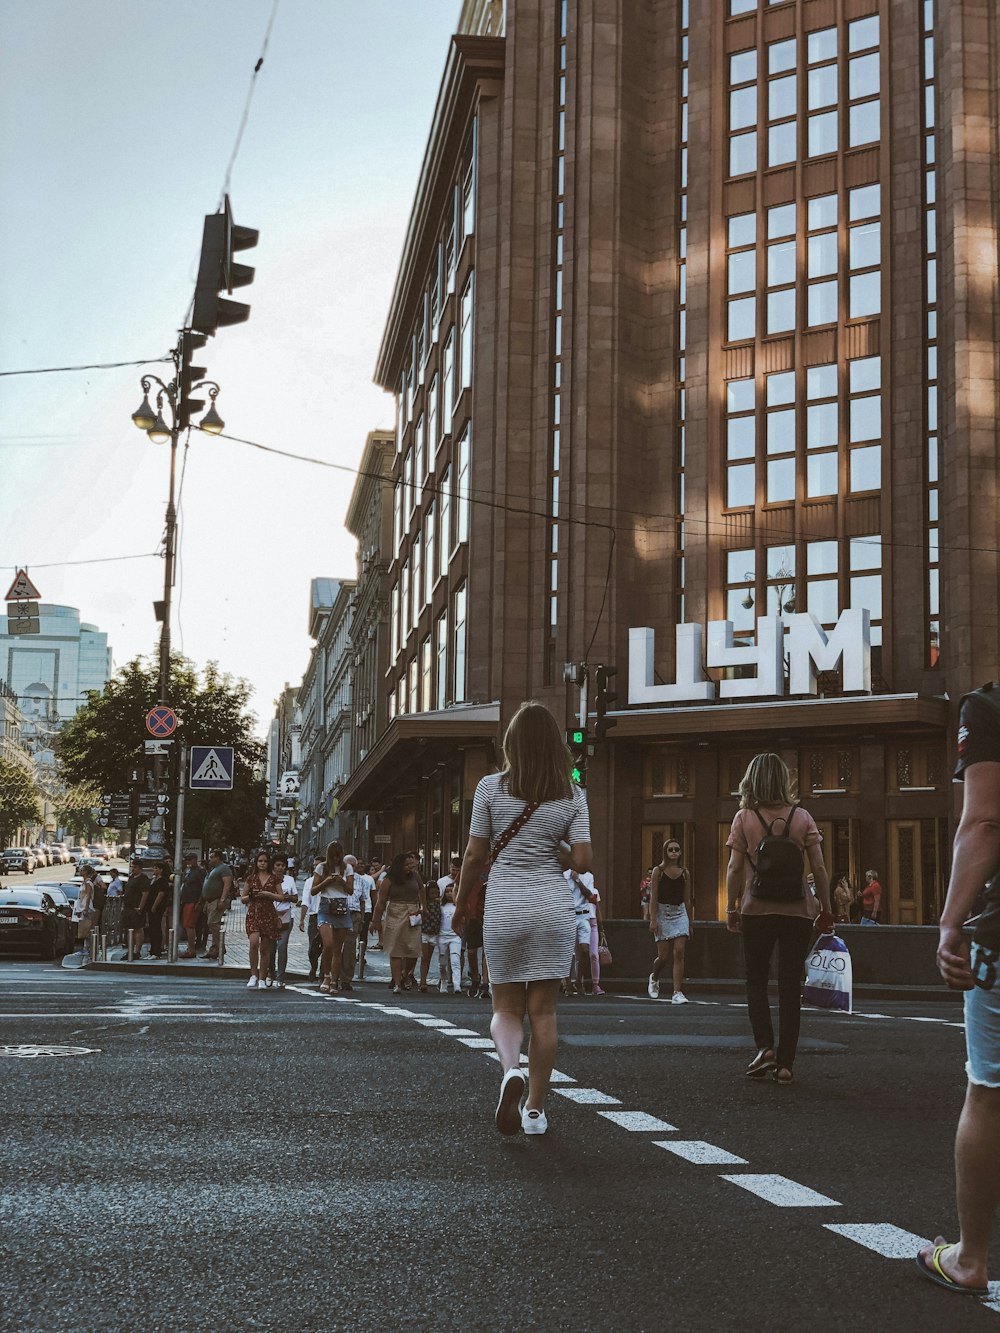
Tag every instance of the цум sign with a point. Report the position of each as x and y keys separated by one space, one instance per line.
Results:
x=809 y=649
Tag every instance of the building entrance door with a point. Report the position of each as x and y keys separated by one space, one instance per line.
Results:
x=916 y=872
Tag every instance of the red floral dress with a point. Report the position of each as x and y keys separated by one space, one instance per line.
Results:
x=262 y=916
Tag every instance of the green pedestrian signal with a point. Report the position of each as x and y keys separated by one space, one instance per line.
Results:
x=578 y=743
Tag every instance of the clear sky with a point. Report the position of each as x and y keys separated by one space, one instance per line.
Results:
x=119 y=117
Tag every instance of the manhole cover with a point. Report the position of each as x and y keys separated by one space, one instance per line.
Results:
x=36 y=1052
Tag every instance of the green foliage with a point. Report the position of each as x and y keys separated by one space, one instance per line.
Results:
x=74 y=811
x=19 y=802
x=107 y=737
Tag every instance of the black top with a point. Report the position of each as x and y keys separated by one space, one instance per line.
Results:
x=979 y=742
x=670 y=890
x=135 y=887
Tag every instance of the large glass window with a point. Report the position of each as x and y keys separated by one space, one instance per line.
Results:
x=466 y=345
x=448 y=382
x=430 y=553
x=740 y=443
x=741 y=319
x=781 y=441
x=426 y=676
x=460 y=637
x=463 y=479
x=441 y=663
x=743 y=153
x=433 y=439
x=444 y=533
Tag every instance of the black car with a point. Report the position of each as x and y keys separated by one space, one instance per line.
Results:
x=31 y=925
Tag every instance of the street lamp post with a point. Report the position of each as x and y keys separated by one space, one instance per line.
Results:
x=176 y=396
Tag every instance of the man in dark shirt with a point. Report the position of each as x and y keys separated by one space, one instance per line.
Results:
x=136 y=900
x=191 y=886
x=216 y=894
x=974 y=969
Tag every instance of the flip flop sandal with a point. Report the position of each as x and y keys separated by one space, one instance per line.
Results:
x=934 y=1272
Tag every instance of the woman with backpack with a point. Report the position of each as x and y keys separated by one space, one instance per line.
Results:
x=771 y=841
x=520 y=817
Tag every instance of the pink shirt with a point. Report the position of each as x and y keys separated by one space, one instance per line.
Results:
x=745 y=836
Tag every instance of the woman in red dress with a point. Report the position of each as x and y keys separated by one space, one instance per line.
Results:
x=260 y=892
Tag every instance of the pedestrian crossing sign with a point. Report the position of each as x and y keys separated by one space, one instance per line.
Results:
x=211 y=768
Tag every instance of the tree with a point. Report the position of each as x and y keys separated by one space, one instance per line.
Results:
x=106 y=738
x=75 y=811
x=19 y=802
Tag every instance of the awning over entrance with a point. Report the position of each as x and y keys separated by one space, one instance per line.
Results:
x=782 y=716
x=411 y=746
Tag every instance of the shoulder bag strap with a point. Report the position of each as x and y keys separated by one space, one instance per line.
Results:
x=512 y=830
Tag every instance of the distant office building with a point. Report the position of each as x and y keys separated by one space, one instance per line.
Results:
x=51 y=672
x=13 y=748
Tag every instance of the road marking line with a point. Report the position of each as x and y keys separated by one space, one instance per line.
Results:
x=463 y=1032
x=637 y=1122
x=587 y=1096
x=700 y=1153
x=782 y=1192
x=475 y=1043
x=441 y=1023
x=883 y=1238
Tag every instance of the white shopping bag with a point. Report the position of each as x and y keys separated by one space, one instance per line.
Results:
x=829 y=978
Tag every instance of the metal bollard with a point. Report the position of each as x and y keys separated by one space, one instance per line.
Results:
x=92 y=943
x=131 y=944
x=222 y=945
x=104 y=949
x=171 y=946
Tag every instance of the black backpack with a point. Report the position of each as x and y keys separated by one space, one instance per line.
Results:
x=779 y=869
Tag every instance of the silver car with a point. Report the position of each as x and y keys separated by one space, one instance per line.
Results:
x=18 y=858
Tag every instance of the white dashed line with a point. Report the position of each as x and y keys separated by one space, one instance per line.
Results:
x=440 y=1023
x=782 y=1192
x=475 y=1043
x=587 y=1096
x=638 y=1122
x=463 y=1032
x=883 y=1238
x=702 y=1154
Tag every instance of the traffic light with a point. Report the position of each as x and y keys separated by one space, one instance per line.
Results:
x=603 y=698
x=578 y=743
x=218 y=272
x=188 y=377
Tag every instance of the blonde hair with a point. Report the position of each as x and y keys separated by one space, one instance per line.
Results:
x=767 y=781
x=536 y=762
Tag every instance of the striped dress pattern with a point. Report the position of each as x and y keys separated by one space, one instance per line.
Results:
x=529 y=929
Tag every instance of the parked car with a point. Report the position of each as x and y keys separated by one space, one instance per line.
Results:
x=60 y=895
x=31 y=924
x=77 y=851
x=99 y=864
x=60 y=850
x=18 y=858
x=43 y=857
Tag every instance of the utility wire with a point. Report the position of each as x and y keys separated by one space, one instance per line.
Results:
x=246 y=107
x=96 y=560
x=100 y=365
x=472 y=497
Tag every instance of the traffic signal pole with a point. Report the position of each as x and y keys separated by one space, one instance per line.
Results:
x=178 y=853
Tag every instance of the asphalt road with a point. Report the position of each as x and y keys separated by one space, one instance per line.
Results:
x=224 y=1158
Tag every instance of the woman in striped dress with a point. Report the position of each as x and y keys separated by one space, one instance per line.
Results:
x=523 y=813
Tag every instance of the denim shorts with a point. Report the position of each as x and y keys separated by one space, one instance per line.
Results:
x=982 y=1020
x=342 y=922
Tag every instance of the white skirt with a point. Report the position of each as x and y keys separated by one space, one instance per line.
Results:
x=671 y=921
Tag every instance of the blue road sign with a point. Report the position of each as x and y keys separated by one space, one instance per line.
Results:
x=211 y=768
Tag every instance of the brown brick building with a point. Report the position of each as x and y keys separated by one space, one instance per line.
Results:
x=697 y=321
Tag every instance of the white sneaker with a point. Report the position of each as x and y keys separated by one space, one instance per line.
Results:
x=513 y=1086
x=679 y=997
x=534 y=1122
x=653 y=988
x=252 y=984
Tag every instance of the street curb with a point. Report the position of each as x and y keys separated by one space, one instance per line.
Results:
x=624 y=986
x=736 y=986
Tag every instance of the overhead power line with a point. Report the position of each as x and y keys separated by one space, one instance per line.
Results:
x=97 y=365
x=94 y=560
